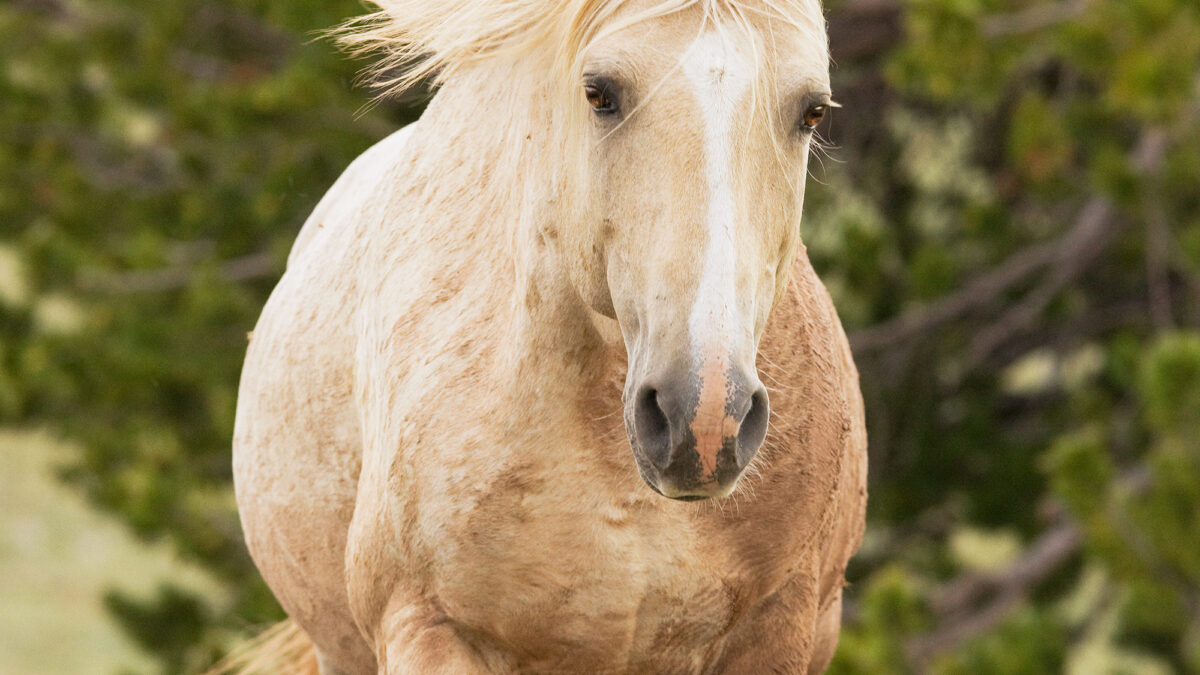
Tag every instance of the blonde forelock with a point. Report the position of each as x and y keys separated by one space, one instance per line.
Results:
x=429 y=40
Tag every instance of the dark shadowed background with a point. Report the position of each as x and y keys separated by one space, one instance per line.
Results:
x=1007 y=213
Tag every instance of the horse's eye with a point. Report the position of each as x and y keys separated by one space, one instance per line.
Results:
x=599 y=98
x=813 y=116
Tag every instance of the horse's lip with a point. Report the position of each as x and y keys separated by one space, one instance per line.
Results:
x=684 y=495
x=693 y=493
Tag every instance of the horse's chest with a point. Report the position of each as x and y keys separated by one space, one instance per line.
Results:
x=566 y=585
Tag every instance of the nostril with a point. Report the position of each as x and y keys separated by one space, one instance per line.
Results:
x=754 y=426
x=653 y=428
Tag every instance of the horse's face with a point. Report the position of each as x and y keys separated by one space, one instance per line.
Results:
x=698 y=150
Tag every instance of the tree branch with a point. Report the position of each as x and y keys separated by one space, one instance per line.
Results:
x=254 y=266
x=1032 y=19
x=975 y=295
x=957 y=604
x=957 y=601
x=1091 y=234
x=1086 y=239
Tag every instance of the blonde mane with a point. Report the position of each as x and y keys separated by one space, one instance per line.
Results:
x=430 y=40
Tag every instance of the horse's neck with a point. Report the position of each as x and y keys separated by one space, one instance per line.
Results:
x=497 y=149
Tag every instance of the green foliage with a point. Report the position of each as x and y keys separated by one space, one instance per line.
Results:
x=1031 y=643
x=1143 y=524
x=159 y=158
x=892 y=610
x=1058 y=394
x=1170 y=386
x=167 y=626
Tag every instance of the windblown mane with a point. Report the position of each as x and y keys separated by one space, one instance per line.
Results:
x=429 y=40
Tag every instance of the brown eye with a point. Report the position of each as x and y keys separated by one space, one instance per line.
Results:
x=813 y=116
x=599 y=98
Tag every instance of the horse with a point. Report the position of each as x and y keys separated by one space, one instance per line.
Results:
x=549 y=383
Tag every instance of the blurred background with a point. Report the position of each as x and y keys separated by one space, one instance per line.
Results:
x=1007 y=212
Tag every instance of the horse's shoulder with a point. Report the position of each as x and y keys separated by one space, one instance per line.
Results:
x=351 y=189
x=305 y=332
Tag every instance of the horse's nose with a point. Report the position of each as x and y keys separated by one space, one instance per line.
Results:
x=696 y=434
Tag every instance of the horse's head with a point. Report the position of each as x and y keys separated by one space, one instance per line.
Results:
x=698 y=127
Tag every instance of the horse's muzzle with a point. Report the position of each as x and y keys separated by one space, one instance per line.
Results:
x=694 y=433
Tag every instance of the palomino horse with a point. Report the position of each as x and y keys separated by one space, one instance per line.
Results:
x=503 y=412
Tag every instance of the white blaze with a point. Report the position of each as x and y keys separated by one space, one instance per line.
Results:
x=720 y=74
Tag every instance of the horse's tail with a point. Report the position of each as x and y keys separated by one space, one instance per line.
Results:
x=282 y=649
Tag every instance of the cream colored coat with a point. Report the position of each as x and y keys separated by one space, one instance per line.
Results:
x=432 y=468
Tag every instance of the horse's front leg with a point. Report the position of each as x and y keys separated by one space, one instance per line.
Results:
x=420 y=639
